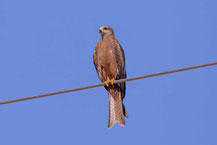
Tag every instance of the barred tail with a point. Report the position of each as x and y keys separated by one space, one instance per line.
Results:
x=117 y=111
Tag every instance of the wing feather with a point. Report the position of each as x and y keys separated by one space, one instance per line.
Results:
x=96 y=63
x=120 y=58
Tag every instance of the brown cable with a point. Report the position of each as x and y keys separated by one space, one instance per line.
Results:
x=115 y=82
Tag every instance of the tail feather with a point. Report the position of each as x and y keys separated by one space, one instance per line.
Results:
x=117 y=111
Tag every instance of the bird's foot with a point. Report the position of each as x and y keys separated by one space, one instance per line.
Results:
x=108 y=81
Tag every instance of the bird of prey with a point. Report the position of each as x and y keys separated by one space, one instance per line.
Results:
x=109 y=61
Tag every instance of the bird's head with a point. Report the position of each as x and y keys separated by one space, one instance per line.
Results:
x=106 y=30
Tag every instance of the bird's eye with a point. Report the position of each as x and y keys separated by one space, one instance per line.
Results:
x=105 y=28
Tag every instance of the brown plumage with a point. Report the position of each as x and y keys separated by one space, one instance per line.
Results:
x=109 y=61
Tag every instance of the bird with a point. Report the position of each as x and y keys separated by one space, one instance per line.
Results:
x=109 y=62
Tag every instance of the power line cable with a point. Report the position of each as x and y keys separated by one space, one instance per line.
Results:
x=115 y=82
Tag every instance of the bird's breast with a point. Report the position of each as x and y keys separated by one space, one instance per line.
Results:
x=107 y=56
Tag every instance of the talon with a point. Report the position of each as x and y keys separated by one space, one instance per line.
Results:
x=108 y=81
x=112 y=81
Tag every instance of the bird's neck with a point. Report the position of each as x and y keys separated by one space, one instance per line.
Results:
x=107 y=35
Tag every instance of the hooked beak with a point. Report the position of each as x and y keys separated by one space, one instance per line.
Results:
x=100 y=30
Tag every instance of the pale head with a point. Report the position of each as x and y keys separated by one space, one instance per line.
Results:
x=106 y=30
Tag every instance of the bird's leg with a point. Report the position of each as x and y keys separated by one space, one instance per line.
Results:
x=108 y=81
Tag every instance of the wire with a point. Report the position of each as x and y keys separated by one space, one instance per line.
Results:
x=115 y=82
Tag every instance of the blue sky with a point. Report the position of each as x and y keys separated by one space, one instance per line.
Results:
x=47 y=45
